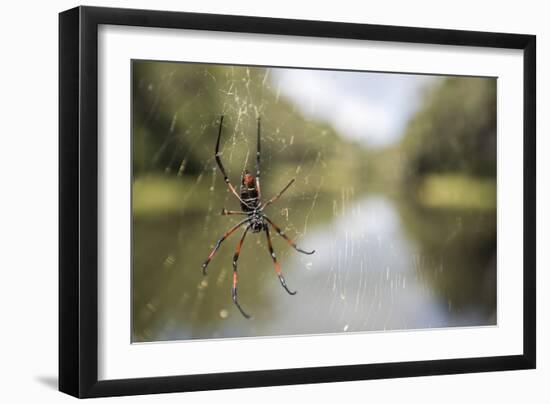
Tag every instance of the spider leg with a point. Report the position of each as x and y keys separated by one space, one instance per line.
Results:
x=226 y=212
x=269 y=202
x=219 y=242
x=235 y=276
x=220 y=165
x=258 y=163
x=275 y=263
x=288 y=240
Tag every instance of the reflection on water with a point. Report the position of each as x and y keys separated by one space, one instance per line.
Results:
x=372 y=270
x=367 y=276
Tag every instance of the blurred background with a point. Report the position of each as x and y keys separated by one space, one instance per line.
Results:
x=395 y=190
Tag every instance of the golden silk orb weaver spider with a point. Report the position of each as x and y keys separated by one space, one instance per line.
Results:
x=250 y=198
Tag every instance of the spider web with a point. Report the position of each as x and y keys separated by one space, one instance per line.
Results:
x=367 y=273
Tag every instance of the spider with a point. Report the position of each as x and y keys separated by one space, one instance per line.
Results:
x=250 y=198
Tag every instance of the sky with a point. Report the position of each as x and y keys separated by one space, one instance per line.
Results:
x=373 y=108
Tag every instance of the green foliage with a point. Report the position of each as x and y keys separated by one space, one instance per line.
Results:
x=447 y=160
x=452 y=191
x=455 y=131
x=176 y=109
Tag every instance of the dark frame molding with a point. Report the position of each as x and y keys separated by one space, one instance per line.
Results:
x=78 y=192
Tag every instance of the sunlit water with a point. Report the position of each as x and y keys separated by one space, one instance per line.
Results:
x=369 y=273
x=366 y=277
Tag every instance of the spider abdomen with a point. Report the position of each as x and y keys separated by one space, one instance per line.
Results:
x=250 y=200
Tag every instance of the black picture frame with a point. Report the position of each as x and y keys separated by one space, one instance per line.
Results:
x=78 y=200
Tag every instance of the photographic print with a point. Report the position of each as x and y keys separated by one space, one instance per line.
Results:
x=270 y=201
